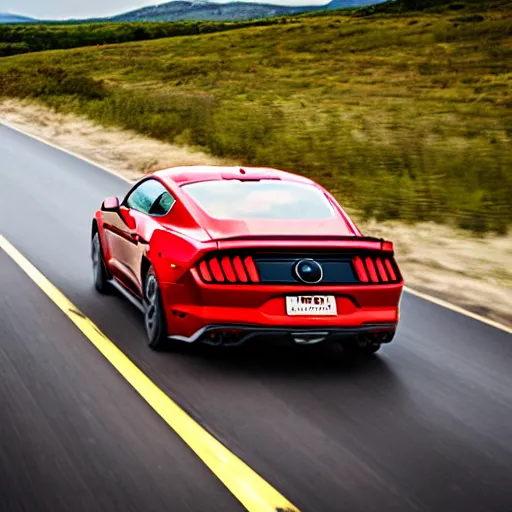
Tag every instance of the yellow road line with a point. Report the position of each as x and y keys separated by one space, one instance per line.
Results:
x=255 y=494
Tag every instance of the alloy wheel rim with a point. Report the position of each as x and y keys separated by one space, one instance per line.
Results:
x=96 y=258
x=150 y=315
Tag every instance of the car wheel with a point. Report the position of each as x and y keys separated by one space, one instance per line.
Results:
x=98 y=266
x=154 y=316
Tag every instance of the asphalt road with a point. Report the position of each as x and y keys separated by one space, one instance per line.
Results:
x=426 y=425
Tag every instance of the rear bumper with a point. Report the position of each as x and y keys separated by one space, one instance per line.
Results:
x=237 y=334
x=192 y=311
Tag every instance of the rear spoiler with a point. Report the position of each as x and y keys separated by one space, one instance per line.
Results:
x=301 y=238
x=339 y=241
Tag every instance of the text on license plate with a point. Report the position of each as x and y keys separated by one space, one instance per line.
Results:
x=311 y=305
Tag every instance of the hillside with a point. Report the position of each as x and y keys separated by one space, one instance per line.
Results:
x=199 y=10
x=15 y=18
x=436 y=6
x=36 y=37
x=202 y=10
x=403 y=116
x=229 y=11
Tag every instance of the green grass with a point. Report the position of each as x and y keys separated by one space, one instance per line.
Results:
x=403 y=116
x=435 y=6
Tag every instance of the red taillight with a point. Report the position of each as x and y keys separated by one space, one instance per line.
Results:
x=390 y=270
x=239 y=269
x=382 y=271
x=251 y=269
x=371 y=270
x=361 y=271
x=228 y=269
x=216 y=270
x=205 y=273
x=387 y=246
x=375 y=269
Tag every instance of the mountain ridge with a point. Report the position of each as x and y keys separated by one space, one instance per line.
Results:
x=192 y=10
x=201 y=10
x=7 y=17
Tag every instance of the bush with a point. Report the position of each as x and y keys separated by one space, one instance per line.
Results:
x=46 y=81
x=15 y=39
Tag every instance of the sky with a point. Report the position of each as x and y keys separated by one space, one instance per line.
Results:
x=63 y=9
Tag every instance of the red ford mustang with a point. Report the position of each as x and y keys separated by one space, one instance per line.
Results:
x=220 y=255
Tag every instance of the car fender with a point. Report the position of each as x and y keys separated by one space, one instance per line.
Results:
x=101 y=231
x=173 y=254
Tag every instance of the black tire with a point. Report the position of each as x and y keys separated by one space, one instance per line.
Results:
x=99 y=268
x=154 y=316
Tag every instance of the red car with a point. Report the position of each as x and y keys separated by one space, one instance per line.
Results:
x=221 y=255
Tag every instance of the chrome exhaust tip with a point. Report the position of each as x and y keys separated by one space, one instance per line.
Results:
x=309 y=338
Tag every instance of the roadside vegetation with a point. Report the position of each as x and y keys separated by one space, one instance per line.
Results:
x=404 y=116
x=38 y=37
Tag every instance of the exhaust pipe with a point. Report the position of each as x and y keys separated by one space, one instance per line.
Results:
x=309 y=338
x=384 y=337
x=379 y=337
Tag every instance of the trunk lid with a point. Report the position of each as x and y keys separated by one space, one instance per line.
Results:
x=269 y=228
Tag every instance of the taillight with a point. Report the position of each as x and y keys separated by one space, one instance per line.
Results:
x=382 y=271
x=251 y=269
x=216 y=270
x=375 y=269
x=371 y=270
x=240 y=269
x=390 y=270
x=361 y=271
x=230 y=269
x=205 y=273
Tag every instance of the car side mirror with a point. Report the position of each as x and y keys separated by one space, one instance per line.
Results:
x=110 y=204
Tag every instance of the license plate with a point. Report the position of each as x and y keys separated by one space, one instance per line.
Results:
x=312 y=305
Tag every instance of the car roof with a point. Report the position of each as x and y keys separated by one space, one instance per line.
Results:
x=196 y=173
x=175 y=177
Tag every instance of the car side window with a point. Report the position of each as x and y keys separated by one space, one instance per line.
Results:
x=150 y=197
x=162 y=204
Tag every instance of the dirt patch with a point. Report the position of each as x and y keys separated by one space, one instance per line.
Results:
x=475 y=273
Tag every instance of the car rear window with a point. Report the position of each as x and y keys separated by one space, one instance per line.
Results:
x=264 y=199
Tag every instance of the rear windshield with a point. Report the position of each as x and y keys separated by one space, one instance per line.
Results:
x=265 y=199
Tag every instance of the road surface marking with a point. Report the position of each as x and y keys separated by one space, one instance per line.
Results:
x=255 y=494
x=424 y=296
x=67 y=151
x=458 y=309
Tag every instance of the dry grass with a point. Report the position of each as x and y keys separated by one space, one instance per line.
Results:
x=127 y=152
x=475 y=273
